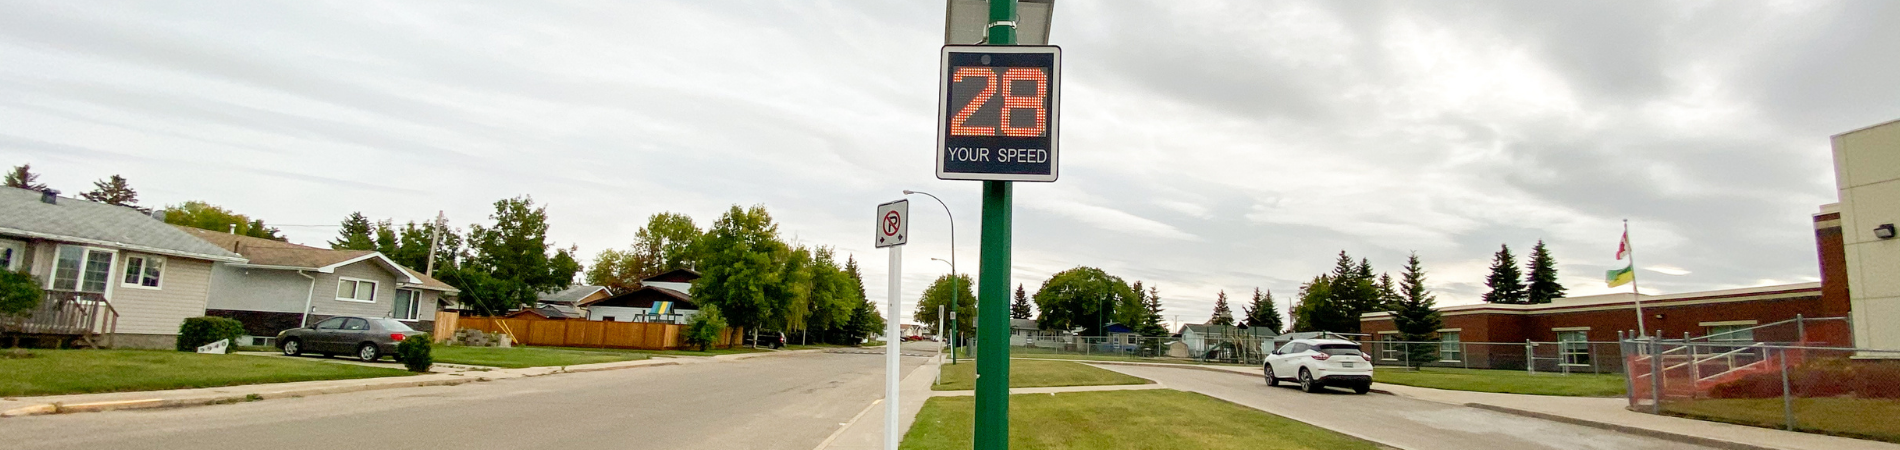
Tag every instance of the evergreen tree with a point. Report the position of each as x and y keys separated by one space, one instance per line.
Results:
x=1151 y=325
x=1416 y=316
x=1262 y=312
x=114 y=191
x=1506 y=281
x=1354 y=292
x=1223 y=315
x=23 y=177
x=385 y=237
x=356 y=233
x=1388 y=293
x=1543 y=283
x=1020 y=308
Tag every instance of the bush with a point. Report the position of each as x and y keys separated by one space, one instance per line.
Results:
x=413 y=352
x=705 y=327
x=198 y=331
x=19 y=292
x=1820 y=377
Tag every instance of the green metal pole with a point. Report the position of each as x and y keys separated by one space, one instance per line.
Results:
x=992 y=354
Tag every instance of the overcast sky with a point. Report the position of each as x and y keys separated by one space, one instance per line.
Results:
x=1206 y=146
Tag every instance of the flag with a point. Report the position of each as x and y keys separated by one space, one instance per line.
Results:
x=1623 y=249
x=1621 y=276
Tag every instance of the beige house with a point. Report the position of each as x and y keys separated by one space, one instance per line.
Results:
x=283 y=285
x=113 y=275
x=1867 y=176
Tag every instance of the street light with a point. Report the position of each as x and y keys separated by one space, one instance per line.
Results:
x=953 y=270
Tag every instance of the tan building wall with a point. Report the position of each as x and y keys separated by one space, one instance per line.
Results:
x=1867 y=173
x=184 y=288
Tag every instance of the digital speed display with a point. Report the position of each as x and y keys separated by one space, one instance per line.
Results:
x=998 y=119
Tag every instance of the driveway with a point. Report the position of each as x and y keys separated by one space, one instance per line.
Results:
x=774 y=402
x=1398 y=421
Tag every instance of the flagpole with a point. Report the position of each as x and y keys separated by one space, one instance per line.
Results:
x=1636 y=290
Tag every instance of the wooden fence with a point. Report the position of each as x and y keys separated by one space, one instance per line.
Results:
x=592 y=333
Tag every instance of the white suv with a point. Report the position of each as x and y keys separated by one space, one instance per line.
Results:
x=1316 y=363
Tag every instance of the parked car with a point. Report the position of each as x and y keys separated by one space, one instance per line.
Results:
x=369 y=338
x=1317 y=363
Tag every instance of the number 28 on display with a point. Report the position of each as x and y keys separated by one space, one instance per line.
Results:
x=1014 y=86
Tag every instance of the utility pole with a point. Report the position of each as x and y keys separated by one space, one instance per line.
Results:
x=992 y=358
x=435 y=240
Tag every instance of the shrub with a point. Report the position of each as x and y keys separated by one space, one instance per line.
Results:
x=1819 y=377
x=705 y=327
x=413 y=352
x=198 y=331
x=19 y=292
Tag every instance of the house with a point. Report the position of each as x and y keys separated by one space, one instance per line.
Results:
x=666 y=297
x=109 y=271
x=566 y=302
x=1024 y=333
x=281 y=285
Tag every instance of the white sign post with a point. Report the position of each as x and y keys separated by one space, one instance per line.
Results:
x=893 y=226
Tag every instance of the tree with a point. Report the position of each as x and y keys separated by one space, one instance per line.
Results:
x=355 y=233
x=1150 y=325
x=741 y=266
x=705 y=327
x=1319 y=308
x=1223 y=315
x=1084 y=297
x=203 y=215
x=412 y=243
x=791 y=296
x=1388 y=293
x=865 y=321
x=618 y=271
x=23 y=177
x=1416 y=316
x=1262 y=313
x=385 y=237
x=114 y=191
x=511 y=262
x=938 y=294
x=1506 y=281
x=1020 y=308
x=1543 y=283
x=834 y=296
x=669 y=241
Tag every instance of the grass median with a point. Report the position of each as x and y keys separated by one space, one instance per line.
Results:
x=58 y=372
x=1109 y=420
x=1035 y=373
x=1505 y=381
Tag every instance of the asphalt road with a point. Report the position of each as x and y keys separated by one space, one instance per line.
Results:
x=1403 y=422
x=777 y=402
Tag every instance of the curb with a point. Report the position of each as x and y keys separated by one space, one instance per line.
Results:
x=1189 y=367
x=1664 y=435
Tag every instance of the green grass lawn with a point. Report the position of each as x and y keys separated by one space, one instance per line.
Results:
x=55 y=372
x=1505 y=381
x=1147 y=419
x=1844 y=416
x=1033 y=373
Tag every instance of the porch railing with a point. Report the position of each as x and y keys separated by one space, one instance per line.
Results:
x=82 y=314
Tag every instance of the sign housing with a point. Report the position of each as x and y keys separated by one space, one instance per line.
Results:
x=893 y=223
x=998 y=116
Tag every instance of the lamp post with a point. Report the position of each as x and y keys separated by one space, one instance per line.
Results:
x=955 y=289
x=953 y=270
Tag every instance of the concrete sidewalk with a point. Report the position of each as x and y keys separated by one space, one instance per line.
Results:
x=1597 y=412
x=866 y=431
x=449 y=375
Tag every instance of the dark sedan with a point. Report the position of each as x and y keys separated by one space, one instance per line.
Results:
x=369 y=338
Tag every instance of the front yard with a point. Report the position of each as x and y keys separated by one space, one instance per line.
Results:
x=1035 y=373
x=56 y=372
x=1147 y=419
x=1504 y=381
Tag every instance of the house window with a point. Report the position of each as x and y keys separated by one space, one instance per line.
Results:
x=1574 y=347
x=82 y=269
x=408 y=304
x=608 y=318
x=1450 y=349
x=354 y=290
x=10 y=255
x=1389 y=347
x=143 y=271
